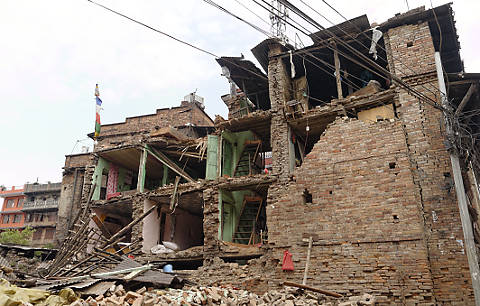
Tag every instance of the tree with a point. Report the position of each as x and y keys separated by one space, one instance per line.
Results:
x=15 y=236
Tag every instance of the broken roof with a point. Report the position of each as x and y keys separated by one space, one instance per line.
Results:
x=443 y=32
x=351 y=27
x=249 y=78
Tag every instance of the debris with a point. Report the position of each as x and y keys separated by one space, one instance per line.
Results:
x=223 y=295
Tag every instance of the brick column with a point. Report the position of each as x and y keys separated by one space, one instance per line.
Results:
x=280 y=88
x=429 y=162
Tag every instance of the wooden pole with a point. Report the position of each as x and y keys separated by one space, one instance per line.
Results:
x=466 y=98
x=326 y=292
x=307 y=264
x=337 y=72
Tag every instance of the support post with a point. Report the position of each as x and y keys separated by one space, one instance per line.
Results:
x=466 y=98
x=165 y=175
x=142 y=171
x=337 y=72
x=460 y=192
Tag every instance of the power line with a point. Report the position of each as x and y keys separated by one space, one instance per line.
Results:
x=308 y=53
x=251 y=11
x=305 y=17
x=365 y=35
x=176 y=39
x=153 y=29
x=235 y=16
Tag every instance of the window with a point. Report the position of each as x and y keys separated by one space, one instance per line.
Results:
x=10 y=203
x=49 y=233
x=20 y=202
x=28 y=218
x=6 y=219
x=17 y=219
x=37 y=235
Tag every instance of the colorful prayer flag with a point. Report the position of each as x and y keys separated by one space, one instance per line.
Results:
x=98 y=107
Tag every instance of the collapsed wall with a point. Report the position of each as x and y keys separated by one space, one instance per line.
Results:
x=354 y=195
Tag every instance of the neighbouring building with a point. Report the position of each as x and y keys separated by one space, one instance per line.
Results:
x=359 y=164
x=11 y=215
x=41 y=210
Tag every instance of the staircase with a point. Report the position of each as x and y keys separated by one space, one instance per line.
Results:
x=247 y=162
x=245 y=230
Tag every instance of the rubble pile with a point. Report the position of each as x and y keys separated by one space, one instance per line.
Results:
x=117 y=295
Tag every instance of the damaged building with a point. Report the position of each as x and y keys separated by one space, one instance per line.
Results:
x=342 y=166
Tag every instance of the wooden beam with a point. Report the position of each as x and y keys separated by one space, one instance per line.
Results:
x=170 y=164
x=337 y=73
x=101 y=226
x=466 y=98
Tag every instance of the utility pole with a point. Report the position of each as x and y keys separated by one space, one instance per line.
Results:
x=470 y=247
x=278 y=17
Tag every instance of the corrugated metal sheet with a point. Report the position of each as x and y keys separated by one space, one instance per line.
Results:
x=154 y=277
x=97 y=289
x=49 y=285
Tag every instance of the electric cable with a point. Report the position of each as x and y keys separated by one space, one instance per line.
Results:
x=305 y=17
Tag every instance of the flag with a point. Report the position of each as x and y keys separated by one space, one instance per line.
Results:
x=98 y=107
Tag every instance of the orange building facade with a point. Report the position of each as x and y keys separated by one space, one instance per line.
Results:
x=11 y=215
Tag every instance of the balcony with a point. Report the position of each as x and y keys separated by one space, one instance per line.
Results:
x=40 y=205
x=31 y=188
x=44 y=223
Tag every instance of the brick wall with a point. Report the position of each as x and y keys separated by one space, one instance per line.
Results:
x=135 y=128
x=430 y=163
x=411 y=47
x=364 y=215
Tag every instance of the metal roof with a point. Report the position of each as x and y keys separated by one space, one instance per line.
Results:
x=249 y=78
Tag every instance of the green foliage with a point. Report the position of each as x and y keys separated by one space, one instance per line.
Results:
x=15 y=236
x=37 y=253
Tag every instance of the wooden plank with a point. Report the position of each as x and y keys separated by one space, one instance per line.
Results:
x=326 y=292
x=170 y=164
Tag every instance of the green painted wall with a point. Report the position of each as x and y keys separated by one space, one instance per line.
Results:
x=234 y=143
x=230 y=206
x=102 y=165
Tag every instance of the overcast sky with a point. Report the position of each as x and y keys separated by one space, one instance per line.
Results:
x=54 y=51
